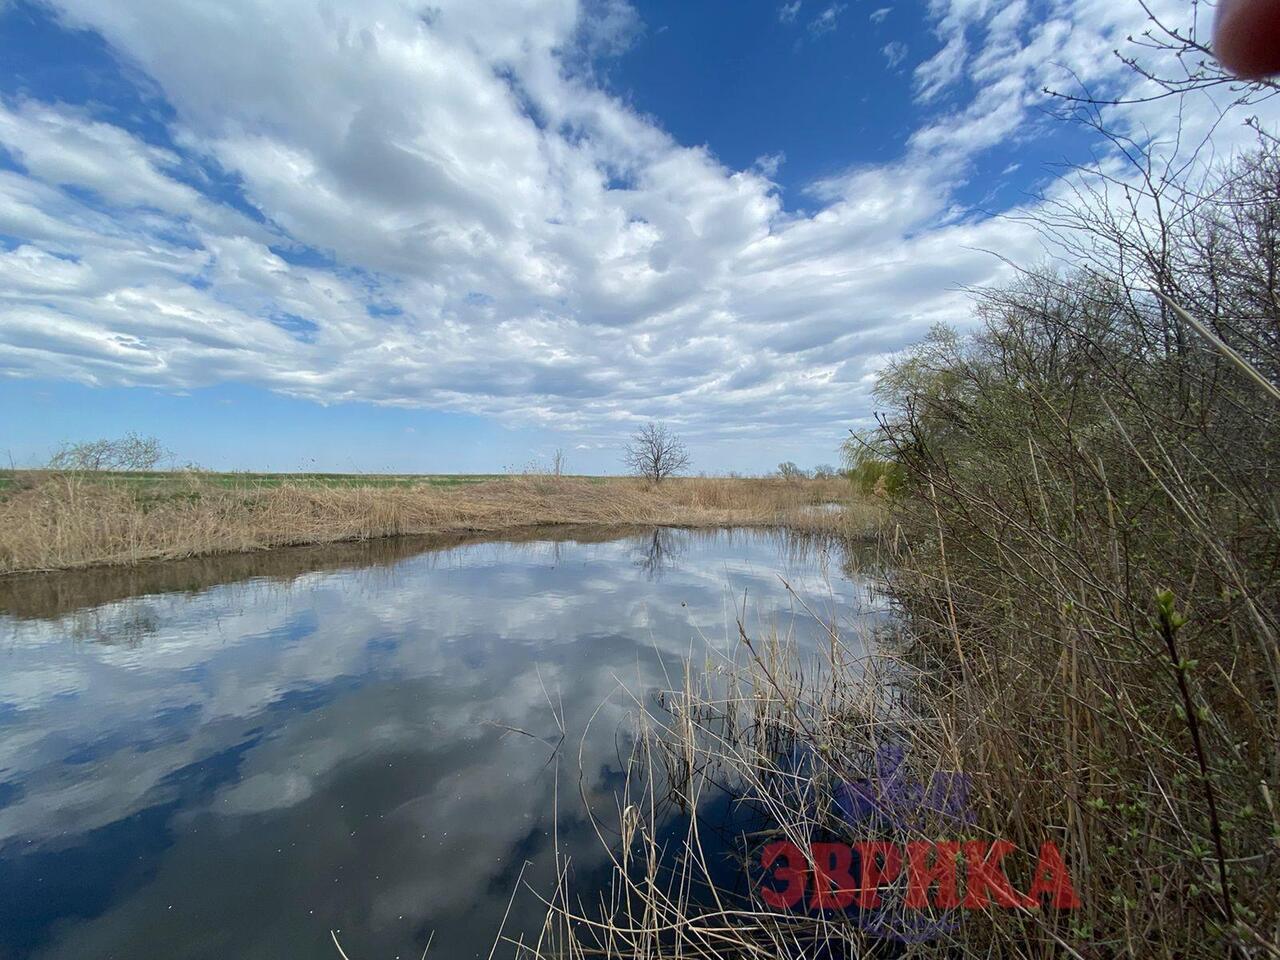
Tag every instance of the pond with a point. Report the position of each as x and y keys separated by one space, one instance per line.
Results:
x=230 y=757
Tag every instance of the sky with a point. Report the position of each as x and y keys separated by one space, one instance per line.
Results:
x=454 y=236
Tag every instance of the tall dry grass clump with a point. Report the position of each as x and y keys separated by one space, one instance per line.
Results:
x=63 y=520
x=760 y=749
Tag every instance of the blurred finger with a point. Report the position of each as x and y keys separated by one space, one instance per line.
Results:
x=1246 y=37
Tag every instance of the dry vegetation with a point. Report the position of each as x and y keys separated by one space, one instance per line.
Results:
x=1091 y=585
x=52 y=521
x=1085 y=554
x=761 y=746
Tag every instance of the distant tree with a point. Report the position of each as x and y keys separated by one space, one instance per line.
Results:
x=557 y=462
x=789 y=471
x=824 y=471
x=655 y=453
x=869 y=461
x=130 y=452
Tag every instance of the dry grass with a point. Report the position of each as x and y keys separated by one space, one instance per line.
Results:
x=61 y=521
x=760 y=744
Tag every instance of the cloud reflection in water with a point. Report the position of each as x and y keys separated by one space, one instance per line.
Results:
x=231 y=768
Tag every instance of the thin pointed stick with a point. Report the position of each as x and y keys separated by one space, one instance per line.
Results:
x=1245 y=366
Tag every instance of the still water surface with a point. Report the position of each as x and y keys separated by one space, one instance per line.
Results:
x=227 y=758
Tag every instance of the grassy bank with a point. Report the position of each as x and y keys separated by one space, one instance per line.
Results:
x=61 y=521
x=145 y=481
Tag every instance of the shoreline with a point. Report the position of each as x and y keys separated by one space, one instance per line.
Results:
x=44 y=594
x=57 y=523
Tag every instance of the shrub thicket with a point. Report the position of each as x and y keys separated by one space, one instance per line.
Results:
x=1079 y=477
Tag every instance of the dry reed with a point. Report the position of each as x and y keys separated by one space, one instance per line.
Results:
x=61 y=521
x=756 y=749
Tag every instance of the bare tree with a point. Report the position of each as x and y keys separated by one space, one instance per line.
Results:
x=557 y=463
x=787 y=470
x=1175 y=58
x=130 y=452
x=655 y=453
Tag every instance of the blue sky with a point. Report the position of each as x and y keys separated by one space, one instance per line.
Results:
x=755 y=85
x=385 y=235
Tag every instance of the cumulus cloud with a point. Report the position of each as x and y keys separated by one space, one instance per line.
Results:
x=448 y=211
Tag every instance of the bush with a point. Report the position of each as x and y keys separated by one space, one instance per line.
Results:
x=1078 y=477
x=130 y=452
x=870 y=466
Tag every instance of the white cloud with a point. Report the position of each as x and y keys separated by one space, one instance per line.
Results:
x=788 y=11
x=826 y=21
x=894 y=52
x=485 y=229
x=610 y=27
x=770 y=163
x=878 y=15
x=942 y=69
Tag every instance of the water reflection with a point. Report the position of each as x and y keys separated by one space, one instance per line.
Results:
x=228 y=757
x=660 y=550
